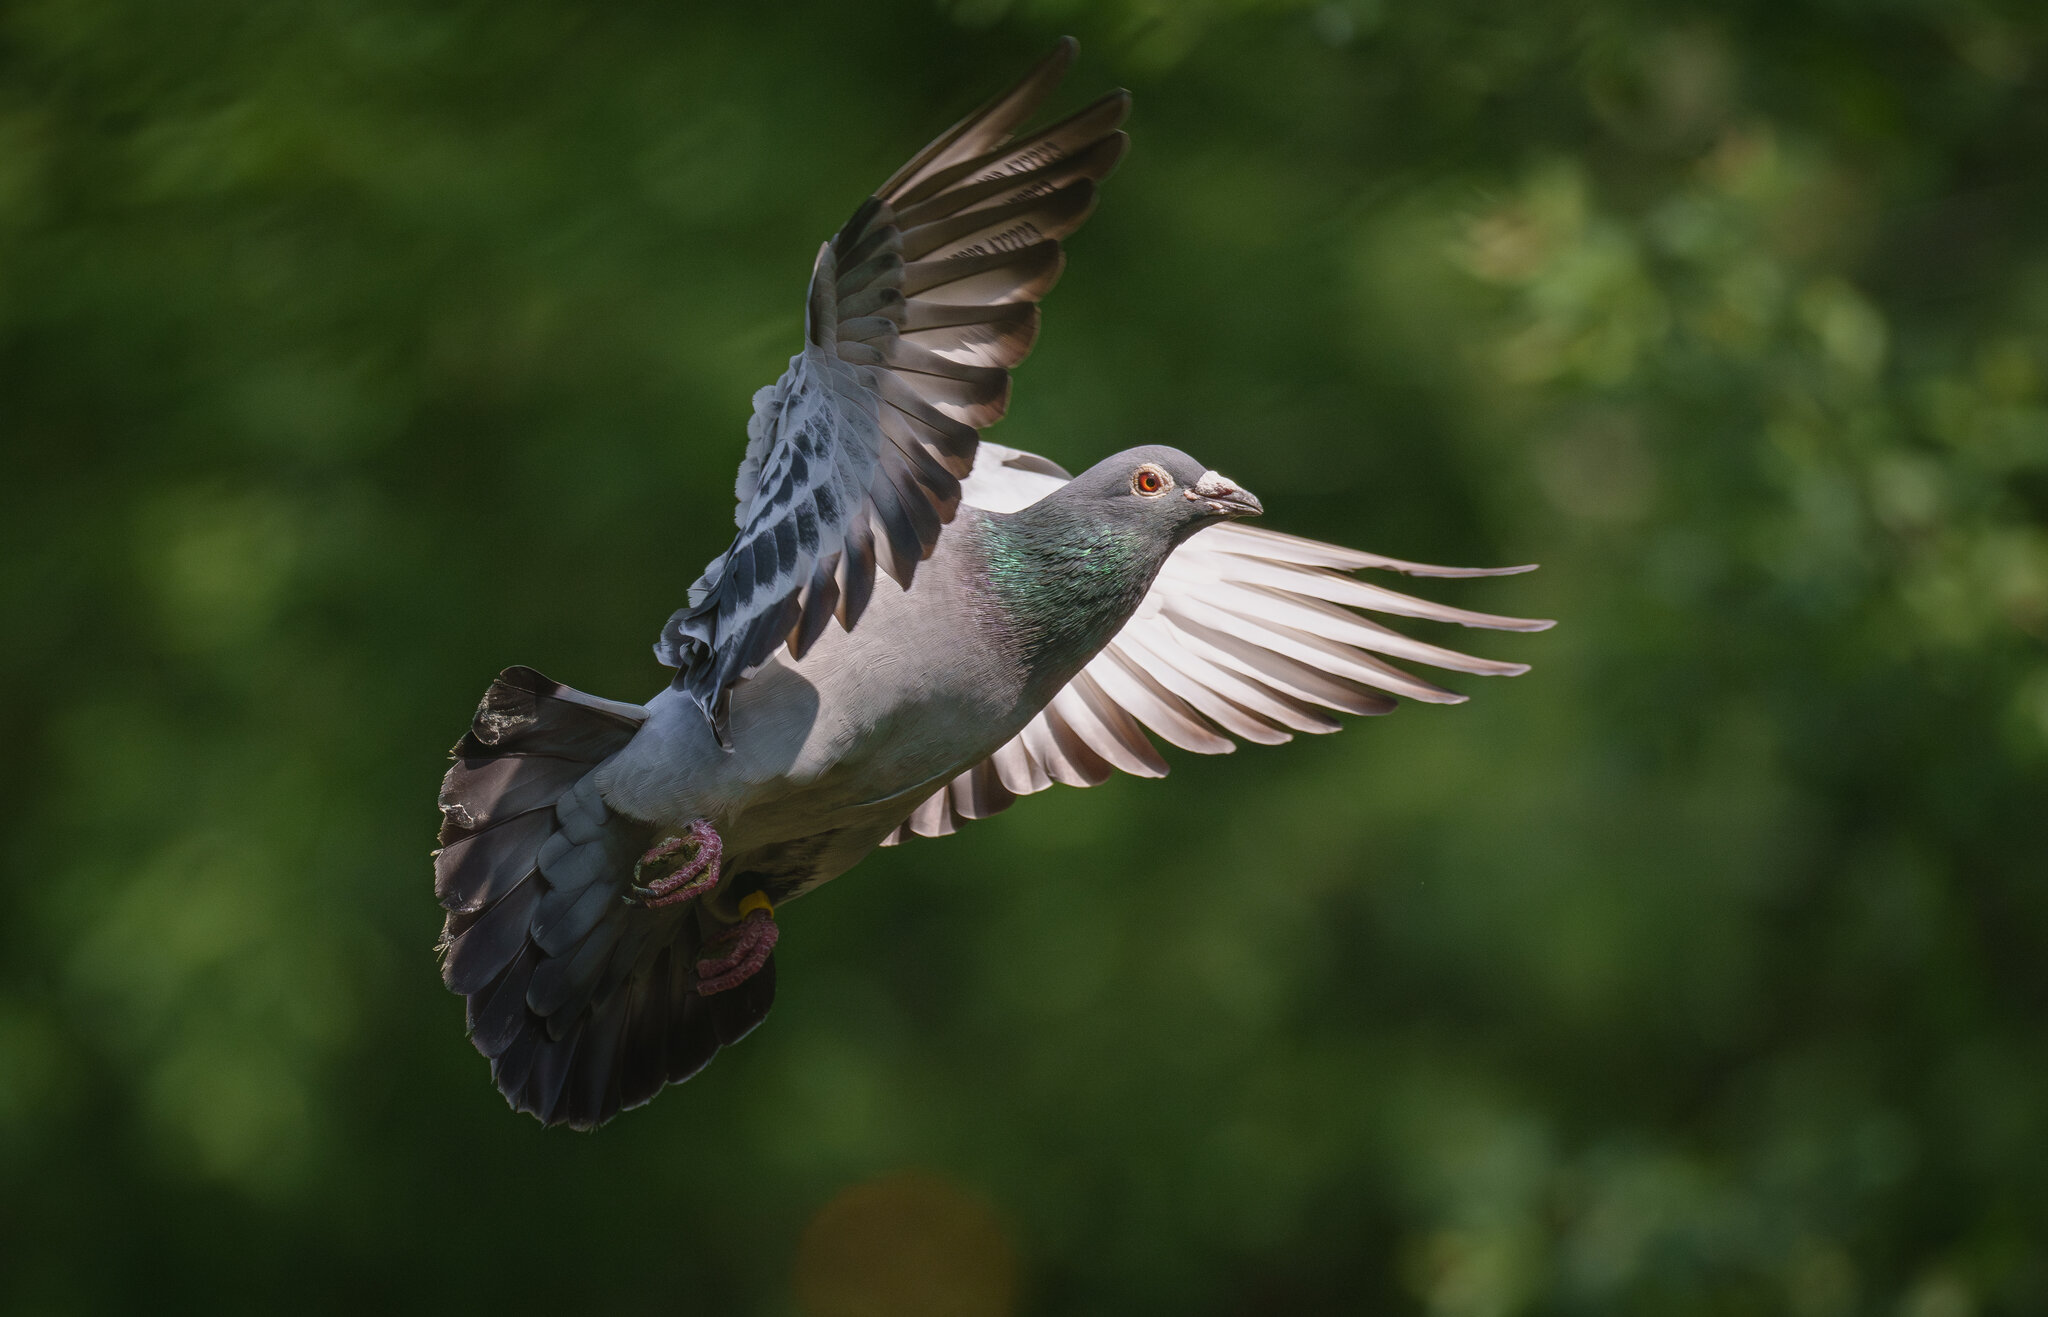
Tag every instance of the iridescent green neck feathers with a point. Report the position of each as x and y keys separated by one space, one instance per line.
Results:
x=1065 y=584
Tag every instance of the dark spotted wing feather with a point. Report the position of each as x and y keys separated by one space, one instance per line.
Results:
x=918 y=308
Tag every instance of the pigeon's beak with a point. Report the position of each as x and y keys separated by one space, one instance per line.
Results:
x=1224 y=497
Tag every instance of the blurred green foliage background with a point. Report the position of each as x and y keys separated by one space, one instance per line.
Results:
x=353 y=349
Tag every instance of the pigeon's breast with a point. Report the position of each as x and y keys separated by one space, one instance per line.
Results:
x=921 y=689
x=831 y=752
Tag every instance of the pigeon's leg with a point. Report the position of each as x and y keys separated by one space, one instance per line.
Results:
x=738 y=953
x=687 y=867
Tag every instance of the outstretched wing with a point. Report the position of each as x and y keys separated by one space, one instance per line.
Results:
x=918 y=308
x=1246 y=633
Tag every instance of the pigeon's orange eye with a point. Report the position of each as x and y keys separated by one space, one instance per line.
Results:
x=1150 y=481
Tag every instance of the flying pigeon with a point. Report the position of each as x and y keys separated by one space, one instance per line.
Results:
x=612 y=872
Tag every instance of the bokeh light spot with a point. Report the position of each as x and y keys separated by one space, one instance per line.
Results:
x=909 y=1244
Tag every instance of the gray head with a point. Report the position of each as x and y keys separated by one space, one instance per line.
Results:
x=1069 y=570
x=1160 y=488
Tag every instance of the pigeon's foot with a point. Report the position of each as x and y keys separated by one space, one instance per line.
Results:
x=738 y=953
x=678 y=869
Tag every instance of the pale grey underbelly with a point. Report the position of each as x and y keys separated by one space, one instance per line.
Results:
x=829 y=755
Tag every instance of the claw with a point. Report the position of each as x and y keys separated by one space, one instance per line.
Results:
x=747 y=946
x=692 y=877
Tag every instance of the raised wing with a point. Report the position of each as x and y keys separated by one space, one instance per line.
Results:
x=917 y=310
x=1246 y=633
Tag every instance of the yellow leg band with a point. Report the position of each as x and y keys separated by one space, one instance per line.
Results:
x=753 y=901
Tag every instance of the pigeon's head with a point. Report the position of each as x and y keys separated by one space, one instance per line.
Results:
x=1162 y=488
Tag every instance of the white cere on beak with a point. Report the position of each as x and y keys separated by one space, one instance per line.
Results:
x=1224 y=495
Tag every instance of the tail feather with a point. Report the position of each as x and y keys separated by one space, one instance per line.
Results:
x=471 y=873
x=497 y=1017
x=478 y=954
x=584 y=1006
x=481 y=793
x=643 y=1070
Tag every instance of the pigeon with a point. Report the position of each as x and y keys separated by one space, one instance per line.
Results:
x=612 y=873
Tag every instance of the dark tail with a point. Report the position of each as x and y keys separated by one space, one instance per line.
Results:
x=585 y=1005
